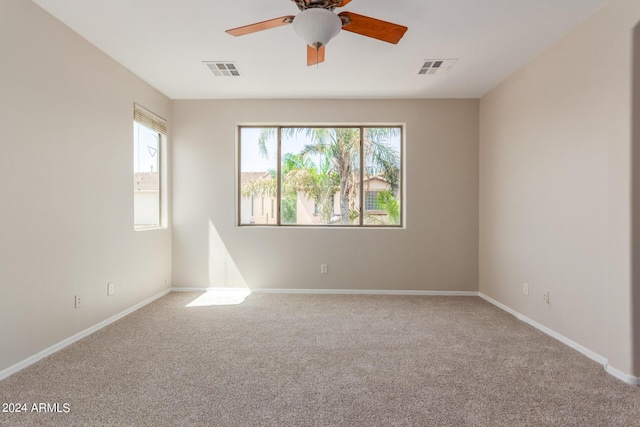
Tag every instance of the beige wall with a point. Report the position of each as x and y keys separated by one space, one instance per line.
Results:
x=555 y=181
x=554 y=203
x=66 y=120
x=437 y=250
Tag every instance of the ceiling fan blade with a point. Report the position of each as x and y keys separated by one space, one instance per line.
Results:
x=314 y=56
x=374 y=28
x=260 y=26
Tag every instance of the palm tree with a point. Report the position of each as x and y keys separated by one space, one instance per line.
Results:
x=315 y=179
x=341 y=146
x=331 y=162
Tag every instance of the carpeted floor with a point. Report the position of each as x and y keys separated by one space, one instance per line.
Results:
x=325 y=360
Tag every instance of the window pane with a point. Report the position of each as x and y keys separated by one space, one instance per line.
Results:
x=258 y=169
x=146 y=176
x=382 y=176
x=319 y=175
x=320 y=178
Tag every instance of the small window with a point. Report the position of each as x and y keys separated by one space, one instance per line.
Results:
x=371 y=202
x=321 y=176
x=148 y=133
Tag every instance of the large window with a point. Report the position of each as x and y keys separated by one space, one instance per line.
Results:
x=148 y=134
x=324 y=176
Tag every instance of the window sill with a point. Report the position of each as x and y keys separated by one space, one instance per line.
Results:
x=325 y=227
x=150 y=227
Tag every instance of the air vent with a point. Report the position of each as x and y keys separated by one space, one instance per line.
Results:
x=437 y=66
x=223 y=69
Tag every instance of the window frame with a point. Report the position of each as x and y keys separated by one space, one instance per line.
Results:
x=278 y=197
x=153 y=122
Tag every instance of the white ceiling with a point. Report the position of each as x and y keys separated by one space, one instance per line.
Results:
x=166 y=41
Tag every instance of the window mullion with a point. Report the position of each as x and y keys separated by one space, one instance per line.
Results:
x=160 y=186
x=401 y=178
x=279 y=177
x=361 y=195
x=239 y=176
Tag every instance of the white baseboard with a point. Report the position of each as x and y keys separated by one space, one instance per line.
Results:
x=629 y=379
x=62 y=344
x=333 y=291
x=590 y=354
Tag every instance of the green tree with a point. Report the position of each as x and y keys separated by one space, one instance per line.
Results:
x=341 y=148
x=264 y=186
x=390 y=205
x=331 y=162
x=338 y=149
x=267 y=186
x=313 y=178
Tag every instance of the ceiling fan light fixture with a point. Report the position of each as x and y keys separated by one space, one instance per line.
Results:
x=317 y=26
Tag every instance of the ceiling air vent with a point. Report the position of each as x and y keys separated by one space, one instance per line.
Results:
x=437 y=66
x=223 y=69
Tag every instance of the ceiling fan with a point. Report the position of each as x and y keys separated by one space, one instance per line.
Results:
x=317 y=24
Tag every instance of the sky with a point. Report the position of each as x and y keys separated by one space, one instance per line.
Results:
x=251 y=159
x=145 y=149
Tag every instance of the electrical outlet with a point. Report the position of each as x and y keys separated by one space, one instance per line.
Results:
x=78 y=301
x=525 y=288
x=545 y=297
x=111 y=288
x=324 y=268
